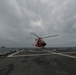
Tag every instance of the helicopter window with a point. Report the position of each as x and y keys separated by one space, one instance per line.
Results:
x=42 y=41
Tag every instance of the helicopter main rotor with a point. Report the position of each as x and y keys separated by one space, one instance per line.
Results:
x=44 y=37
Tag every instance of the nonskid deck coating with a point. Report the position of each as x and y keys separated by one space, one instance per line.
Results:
x=52 y=64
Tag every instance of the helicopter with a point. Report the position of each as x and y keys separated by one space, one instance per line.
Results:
x=39 y=42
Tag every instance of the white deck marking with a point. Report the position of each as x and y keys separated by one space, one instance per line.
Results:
x=62 y=54
x=49 y=53
x=14 y=53
x=68 y=52
x=31 y=55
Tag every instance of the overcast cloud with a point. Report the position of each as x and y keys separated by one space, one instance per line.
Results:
x=44 y=17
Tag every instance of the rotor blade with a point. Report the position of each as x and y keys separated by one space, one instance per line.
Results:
x=50 y=36
x=35 y=35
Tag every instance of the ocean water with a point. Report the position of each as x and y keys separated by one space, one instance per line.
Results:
x=5 y=50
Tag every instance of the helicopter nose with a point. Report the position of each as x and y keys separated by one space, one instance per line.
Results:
x=43 y=44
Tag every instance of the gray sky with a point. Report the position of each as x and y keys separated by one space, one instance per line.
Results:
x=44 y=17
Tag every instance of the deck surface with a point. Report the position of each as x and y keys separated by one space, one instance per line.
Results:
x=41 y=62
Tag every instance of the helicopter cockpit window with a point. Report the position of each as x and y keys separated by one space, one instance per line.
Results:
x=42 y=41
